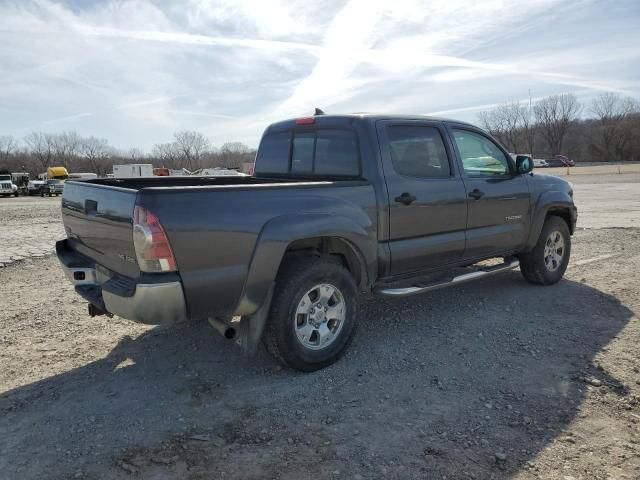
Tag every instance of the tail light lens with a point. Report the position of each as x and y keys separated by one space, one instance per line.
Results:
x=151 y=243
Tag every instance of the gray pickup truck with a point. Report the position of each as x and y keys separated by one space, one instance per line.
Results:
x=339 y=205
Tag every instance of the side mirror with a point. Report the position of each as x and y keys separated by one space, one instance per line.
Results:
x=524 y=164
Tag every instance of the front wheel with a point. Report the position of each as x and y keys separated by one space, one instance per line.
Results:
x=313 y=314
x=547 y=262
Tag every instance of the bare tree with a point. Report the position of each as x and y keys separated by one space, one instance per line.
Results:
x=135 y=154
x=191 y=145
x=97 y=152
x=41 y=146
x=66 y=147
x=527 y=127
x=168 y=154
x=486 y=120
x=7 y=146
x=504 y=123
x=554 y=114
x=234 y=154
x=612 y=110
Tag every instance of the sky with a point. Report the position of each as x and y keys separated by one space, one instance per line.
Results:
x=136 y=71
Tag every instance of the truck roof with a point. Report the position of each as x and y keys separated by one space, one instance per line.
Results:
x=348 y=118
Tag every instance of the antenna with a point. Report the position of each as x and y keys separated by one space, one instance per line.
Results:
x=318 y=111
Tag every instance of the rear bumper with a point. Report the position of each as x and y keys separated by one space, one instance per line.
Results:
x=155 y=300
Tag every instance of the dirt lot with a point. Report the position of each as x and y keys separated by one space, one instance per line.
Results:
x=497 y=379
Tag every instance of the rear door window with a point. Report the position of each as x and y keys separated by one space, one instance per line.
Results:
x=337 y=153
x=418 y=151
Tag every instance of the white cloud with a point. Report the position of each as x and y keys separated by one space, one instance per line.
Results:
x=139 y=69
x=68 y=118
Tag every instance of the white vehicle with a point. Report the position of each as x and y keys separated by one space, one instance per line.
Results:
x=7 y=187
x=540 y=163
x=219 y=172
x=34 y=187
x=83 y=176
x=21 y=180
x=133 y=170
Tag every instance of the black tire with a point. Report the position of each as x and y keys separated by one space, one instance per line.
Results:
x=533 y=265
x=295 y=279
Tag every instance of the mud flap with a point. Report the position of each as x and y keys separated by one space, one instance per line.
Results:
x=250 y=327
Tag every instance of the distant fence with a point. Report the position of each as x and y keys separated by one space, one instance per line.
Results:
x=594 y=169
x=597 y=164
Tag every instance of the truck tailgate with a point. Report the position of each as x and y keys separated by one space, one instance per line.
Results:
x=98 y=223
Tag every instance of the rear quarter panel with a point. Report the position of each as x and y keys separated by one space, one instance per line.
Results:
x=214 y=232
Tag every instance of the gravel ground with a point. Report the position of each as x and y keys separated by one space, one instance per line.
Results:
x=496 y=379
x=29 y=227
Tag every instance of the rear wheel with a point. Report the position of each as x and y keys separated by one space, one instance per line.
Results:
x=313 y=313
x=547 y=262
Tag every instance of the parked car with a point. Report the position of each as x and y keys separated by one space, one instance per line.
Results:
x=339 y=205
x=51 y=188
x=561 y=161
x=540 y=163
x=35 y=186
x=7 y=187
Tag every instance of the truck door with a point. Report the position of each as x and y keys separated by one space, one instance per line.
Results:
x=427 y=199
x=498 y=198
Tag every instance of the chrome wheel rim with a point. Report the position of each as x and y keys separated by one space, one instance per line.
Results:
x=319 y=316
x=554 y=251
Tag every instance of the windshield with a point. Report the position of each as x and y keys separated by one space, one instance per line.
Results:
x=54 y=181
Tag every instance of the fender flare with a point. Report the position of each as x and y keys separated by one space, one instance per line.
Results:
x=549 y=201
x=280 y=232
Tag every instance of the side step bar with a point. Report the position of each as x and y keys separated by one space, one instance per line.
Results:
x=467 y=277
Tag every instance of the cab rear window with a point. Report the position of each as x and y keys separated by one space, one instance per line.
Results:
x=273 y=154
x=326 y=152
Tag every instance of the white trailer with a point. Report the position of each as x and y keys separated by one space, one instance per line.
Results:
x=133 y=170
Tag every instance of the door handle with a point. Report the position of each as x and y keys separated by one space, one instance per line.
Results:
x=406 y=198
x=475 y=193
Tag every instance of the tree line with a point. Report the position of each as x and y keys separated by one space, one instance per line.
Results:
x=609 y=132
x=188 y=149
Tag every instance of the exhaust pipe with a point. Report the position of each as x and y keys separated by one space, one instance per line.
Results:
x=223 y=328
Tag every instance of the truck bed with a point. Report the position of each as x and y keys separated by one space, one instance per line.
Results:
x=189 y=181
x=213 y=225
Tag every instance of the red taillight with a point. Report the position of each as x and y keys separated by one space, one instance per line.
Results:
x=151 y=243
x=305 y=121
